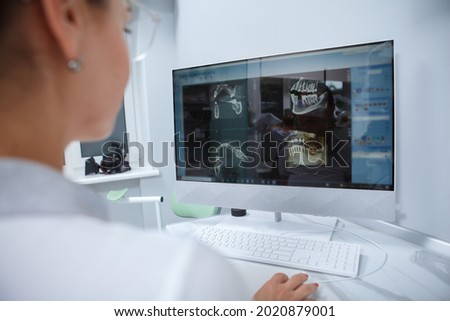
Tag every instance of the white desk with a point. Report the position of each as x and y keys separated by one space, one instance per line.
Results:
x=411 y=272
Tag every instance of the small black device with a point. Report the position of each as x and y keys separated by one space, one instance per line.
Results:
x=91 y=167
x=238 y=212
x=114 y=161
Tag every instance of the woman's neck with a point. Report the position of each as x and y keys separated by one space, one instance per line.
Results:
x=30 y=127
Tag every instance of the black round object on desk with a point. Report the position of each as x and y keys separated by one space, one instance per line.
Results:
x=238 y=212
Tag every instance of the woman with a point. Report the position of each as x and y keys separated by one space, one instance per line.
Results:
x=63 y=69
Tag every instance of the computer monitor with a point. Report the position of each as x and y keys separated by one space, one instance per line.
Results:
x=309 y=132
x=77 y=153
x=101 y=147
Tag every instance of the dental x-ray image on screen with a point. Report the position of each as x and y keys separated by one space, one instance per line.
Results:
x=319 y=120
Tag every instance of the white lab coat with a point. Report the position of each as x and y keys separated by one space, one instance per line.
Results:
x=53 y=246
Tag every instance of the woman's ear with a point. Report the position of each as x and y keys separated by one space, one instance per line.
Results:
x=64 y=20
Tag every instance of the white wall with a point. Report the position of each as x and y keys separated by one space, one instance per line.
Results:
x=160 y=124
x=155 y=125
x=211 y=31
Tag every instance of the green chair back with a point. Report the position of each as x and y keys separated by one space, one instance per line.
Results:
x=192 y=210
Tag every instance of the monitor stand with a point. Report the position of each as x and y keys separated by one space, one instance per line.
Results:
x=283 y=224
x=320 y=229
x=277 y=216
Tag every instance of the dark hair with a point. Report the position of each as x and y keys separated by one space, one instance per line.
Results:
x=288 y=119
x=9 y=8
x=98 y=3
x=10 y=13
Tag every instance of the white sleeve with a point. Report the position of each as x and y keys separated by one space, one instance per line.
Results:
x=84 y=259
x=201 y=274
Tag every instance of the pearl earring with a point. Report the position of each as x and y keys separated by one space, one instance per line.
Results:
x=74 y=65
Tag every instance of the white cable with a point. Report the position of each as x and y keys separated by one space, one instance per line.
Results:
x=341 y=229
x=299 y=234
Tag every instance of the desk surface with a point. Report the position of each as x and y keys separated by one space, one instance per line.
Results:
x=390 y=268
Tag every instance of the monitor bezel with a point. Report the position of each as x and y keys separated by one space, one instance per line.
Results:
x=324 y=201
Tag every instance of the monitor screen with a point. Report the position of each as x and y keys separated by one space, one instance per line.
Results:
x=118 y=135
x=276 y=132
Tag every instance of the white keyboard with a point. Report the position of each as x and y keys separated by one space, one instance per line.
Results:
x=329 y=257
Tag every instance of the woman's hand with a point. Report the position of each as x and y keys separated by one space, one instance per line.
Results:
x=282 y=288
